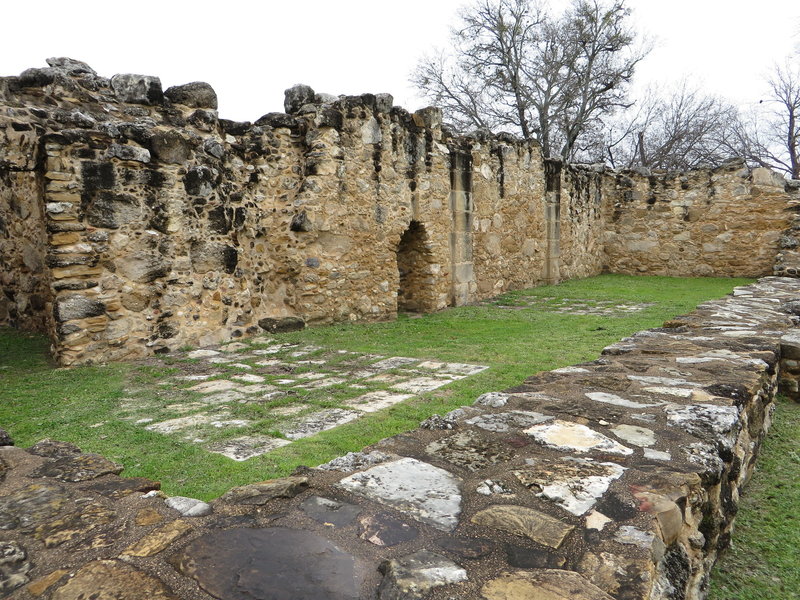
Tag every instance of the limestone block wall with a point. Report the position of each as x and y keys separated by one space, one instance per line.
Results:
x=582 y=252
x=713 y=222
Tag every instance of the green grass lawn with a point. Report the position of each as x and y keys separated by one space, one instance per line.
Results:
x=516 y=335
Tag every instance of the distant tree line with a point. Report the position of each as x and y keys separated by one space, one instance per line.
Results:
x=564 y=81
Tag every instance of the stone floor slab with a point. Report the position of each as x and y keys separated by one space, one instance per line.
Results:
x=374 y=401
x=245 y=447
x=319 y=421
x=270 y=564
x=426 y=493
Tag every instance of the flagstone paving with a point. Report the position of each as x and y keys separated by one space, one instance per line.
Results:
x=208 y=389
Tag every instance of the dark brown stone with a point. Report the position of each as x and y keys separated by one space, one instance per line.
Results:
x=261 y=493
x=383 y=529
x=78 y=468
x=283 y=325
x=532 y=558
x=466 y=547
x=120 y=487
x=113 y=580
x=330 y=512
x=54 y=449
x=270 y=564
x=5 y=439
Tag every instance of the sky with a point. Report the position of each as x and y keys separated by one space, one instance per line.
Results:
x=250 y=52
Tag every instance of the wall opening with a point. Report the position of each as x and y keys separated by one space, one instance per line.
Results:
x=415 y=264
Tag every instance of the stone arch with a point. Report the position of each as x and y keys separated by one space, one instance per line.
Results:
x=417 y=267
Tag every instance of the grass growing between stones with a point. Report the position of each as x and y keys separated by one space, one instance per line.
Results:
x=516 y=335
x=763 y=562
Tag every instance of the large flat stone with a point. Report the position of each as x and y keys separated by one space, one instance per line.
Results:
x=270 y=564
x=526 y=522
x=574 y=437
x=113 y=580
x=82 y=467
x=542 y=584
x=426 y=493
x=414 y=575
x=574 y=484
x=506 y=421
x=261 y=493
x=470 y=451
x=245 y=447
x=330 y=512
x=373 y=401
x=319 y=421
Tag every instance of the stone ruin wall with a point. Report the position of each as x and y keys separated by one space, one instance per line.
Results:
x=24 y=276
x=721 y=222
x=137 y=221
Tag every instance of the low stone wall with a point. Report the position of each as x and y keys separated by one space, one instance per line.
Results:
x=614 y=479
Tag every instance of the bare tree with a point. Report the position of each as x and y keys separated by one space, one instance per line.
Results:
x=769 y=135
x=675 y=129
x=514 y=66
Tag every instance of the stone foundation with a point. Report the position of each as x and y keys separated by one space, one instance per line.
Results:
x=135 y=220
x=614 y=479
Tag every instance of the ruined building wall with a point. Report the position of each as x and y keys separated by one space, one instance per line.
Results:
x=713 y=222
x=134 y=220
x=25 y=298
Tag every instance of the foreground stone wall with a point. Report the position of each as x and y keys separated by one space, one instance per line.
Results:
x=615 y=479
x=137 y=221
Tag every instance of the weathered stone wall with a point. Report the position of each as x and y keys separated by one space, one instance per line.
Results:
x=141 y=222
x=582 y=252
x=25 y=301
x=718 y=222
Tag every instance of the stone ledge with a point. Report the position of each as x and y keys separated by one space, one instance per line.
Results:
x=617 y=478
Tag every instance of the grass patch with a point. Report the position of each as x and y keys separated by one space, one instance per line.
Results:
x=516 y=335
x=763 y=562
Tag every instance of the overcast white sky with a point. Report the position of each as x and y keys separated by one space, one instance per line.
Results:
x=251 y=51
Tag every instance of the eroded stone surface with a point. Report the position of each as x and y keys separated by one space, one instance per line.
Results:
x=414 y=575
x=14 y=567
x=502 y=422
x=383 y=529
x=526 y=522
x=427 y=493
x=82 y=467
x=469 y=451
x=542 y=584
x=575 y=484
x=574 y=437
x=272 y=564
x=113 y=580
x=261 y=493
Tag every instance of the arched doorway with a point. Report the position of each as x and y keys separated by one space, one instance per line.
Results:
x=418 y=272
